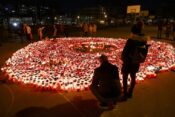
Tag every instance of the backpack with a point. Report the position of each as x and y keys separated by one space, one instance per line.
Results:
x=139 y=54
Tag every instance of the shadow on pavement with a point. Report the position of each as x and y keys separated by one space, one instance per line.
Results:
x=79 y=108
x=3 y=79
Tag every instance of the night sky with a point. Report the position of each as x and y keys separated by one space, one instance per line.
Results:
x=69 y=6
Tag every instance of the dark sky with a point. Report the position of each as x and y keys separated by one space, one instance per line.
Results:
x=152 y=5
x=69 y=6
x=66 y=5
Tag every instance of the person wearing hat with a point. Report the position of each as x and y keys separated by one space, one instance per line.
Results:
x=105 y=83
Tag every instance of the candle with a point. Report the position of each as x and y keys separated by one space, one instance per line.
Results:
x=69 y=63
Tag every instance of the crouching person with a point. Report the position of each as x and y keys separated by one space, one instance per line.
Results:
x=105 y=83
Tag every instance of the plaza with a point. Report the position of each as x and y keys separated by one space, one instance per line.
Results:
x=152 y=97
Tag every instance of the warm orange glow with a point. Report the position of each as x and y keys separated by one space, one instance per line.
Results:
x=68 y=63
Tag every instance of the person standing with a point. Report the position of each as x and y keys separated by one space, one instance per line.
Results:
x=55 y=30
x=130 y=67
x=173 y=30
x=81 y=29
x=85 y=29
x=40 y=32
x=90 y=29
x=1 y=33
x=105 y=83
x=28 y=33
x=168 y=30
x=94 y=29
x=21 y=32
x=160 y=29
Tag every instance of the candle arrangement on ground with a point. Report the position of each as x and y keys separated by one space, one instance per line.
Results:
x=68 y=63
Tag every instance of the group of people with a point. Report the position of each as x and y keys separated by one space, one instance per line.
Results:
x=43 y=31
x=167 y=28
x=54 y=31
x=106 y=82
x=88 y=29
x=25 y=30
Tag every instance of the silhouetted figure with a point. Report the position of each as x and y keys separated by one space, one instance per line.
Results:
x=131 y=66
x=94 y=29
x=55 y=31
x=47 y=32
x=160 y=29
x=1 y=33
x=173 y=30
x=90 y=29
x=40 y=32
x=21 y=32
x=85 y=29
x=81 y=29
x=28 y=32
x=66 y=30
x=168 y=30
x=105 y=83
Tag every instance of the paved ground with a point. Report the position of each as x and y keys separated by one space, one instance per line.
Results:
x=152 y=98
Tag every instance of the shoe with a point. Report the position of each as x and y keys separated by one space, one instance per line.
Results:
x=103 y=106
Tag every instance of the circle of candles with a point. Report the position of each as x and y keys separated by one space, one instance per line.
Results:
x=68 y=63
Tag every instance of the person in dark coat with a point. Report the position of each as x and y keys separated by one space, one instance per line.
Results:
x=168 y=30
x=1 y=33
x=130 y=67
x=160 y=29
x=174 y=30
x=105 y=83
x=21 y=32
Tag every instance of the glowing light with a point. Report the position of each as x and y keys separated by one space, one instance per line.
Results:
x=15 y=24
x=102 y=22
x=68 y=63
x=78 y=17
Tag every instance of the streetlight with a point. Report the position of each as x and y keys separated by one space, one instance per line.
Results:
x=78 y=17
x=105 y=16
